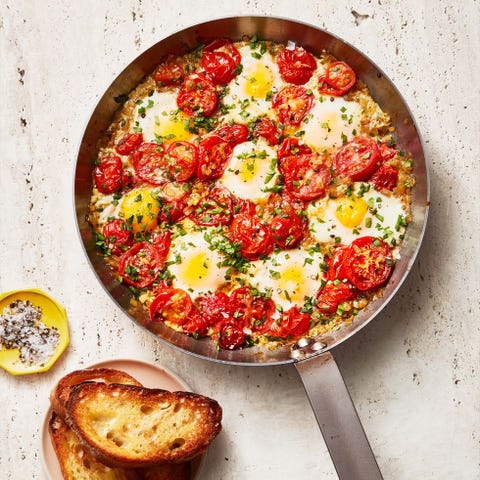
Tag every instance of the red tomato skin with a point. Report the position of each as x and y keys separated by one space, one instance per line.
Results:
x=161 y=240
x=214 y=307
x=214 y=153
x=254 y=237
x=245 y=206
x=216 y=197
x=108 y=174
x=231 y=336
x=385 y=177
x=287 y=229
x=264 y=127
x=336 y=263
x=340 y=76
x=296 y=65
x=219 y=67
x=292 y=103
x=325 y=89
x=369 y=263
x=148 y=163
x=358 y=159
x=148 y=271
x=182 y=160
x=291 y=146
x=233 y=133
x=291 y=323
x=227 y=45
x=117 y=231
x=175 y=299
x=306 y=177
x=195 y=324
x=129 y=143
x=331 y=295
x=197 y=93
x=386 y=151
x=253 y=312
x=169 y=73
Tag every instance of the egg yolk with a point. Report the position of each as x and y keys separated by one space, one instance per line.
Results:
x=247 y=169
x=171 y=127
x=291 y=280
x=351 y=211
x=140 y=209
x=259 y=81
x=194 y=269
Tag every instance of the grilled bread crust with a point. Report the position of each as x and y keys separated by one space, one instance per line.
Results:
x=61 y=392
x=130 y=427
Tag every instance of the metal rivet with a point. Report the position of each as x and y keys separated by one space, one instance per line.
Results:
x=304 y=342
x=318 y=346
x=296 y=354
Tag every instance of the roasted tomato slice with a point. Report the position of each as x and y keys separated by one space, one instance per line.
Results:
x=325 y=89
x=291 y=146
x=172 y=304
x=306 y=176
x=214 y=154
x=264 y=127
x=287 y=229
x=336 y=262
x=181 y=160
x=296 y=65
x=225 y=45
x=141 y=265
x=196 y=324
x=254 y=237
x=253 y=311
x=340 y=76
x=129 y=143
x=369 y=263
x=214 y=307
x=233 y=133
x=332 y=294
x=231 y=336
x=292 y=103
x=385 y=177
x=218 y=66
x=161 y=240
x=291 y=323
x=149 y=163
x=386 y=151
x=215 y=207
x=108 y=174
x=169 y=73
x=118 y=236
x=197 y=96
x=358 y=159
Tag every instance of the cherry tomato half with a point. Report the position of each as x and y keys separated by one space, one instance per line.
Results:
x=172 y=304
x=214 y=307
x=264 y=127
x=296 y=65
x=218 y=66
x=292 y=103
x=181 y=160
x=332 y=294
x=225 y=45
x=231 y=336
x=369 y=263
x=197 y=95
x=287 y=229
x=358 y=159
x=254 y=312
x=336 y=262
x=149 y=163
x=254 y=237
x=306 y=176
x=340 y=76
x=195 y=324
x=141 y=265
x=117 y=236
x=169 y=73
x=214 y=153
x=325 y=89
x=214 y=208
x=385 y=177
x=291 y=323
x=108 y=174
x=130 y=142
x=233 y=133
x=386 y=151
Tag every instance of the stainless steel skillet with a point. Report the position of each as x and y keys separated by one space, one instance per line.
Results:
x=312 y=357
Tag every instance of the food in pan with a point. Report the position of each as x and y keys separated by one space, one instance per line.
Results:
x=251 y=192
x=106 y=425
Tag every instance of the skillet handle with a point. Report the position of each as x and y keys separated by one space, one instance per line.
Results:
x=337 y=418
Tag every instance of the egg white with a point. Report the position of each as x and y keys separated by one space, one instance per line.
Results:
x=290 y=275
x=383 y=218
x=251 y=170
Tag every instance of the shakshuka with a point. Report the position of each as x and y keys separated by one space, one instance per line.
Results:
x=251 y=192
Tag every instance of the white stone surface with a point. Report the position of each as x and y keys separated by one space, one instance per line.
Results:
x=413 y=373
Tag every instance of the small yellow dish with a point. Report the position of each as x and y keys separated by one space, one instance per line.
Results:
x=53 y=315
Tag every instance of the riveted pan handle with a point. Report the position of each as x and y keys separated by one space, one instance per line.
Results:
x=338 y=420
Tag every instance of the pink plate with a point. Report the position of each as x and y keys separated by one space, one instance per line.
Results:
x=150 y=376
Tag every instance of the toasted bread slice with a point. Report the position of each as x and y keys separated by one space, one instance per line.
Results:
x=75 y=461
x=59 y=395
x=128 y=426
x=168 y=471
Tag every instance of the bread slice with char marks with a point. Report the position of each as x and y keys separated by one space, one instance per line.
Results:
x=130 y=427
x=61 y=392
